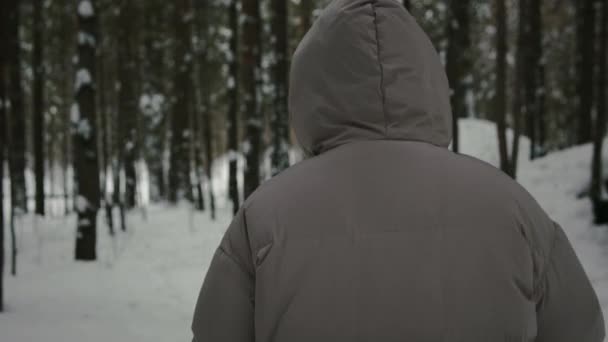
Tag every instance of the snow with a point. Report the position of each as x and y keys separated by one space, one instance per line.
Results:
x=83 y=128
x=85 y=38
x=145 y=283
x=75 y=113
x=85 y=9
x=83 y=77
x=82 y=204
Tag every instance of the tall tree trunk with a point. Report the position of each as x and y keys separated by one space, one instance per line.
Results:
x=251 y=84
x=38 y=105
x=86 y=163
x=128 y=111
x=585 y=66
x=17 y=113
x=407 y=4
x=181 y=138
x=534 y=76
x=500 y=96
x=155 y=88
x=104 y=131
x=521 y=104
x=306 y=9
x=233 y=108
x=3 y=112
x=280 y=129
x=207 y=122
x=600 y=124
x=458 y=65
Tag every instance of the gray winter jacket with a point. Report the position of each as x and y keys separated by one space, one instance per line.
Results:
x=384 y=234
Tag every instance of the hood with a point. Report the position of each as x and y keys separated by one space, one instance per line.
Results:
x=367 y=71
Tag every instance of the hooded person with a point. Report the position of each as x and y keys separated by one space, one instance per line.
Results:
x=384 y=234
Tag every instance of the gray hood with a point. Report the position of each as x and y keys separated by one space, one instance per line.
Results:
x=367 y=71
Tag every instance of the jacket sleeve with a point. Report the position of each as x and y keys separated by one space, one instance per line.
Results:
x=567 y=307
x=224 y=310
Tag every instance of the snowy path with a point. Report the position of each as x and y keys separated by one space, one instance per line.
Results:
x=144 y=287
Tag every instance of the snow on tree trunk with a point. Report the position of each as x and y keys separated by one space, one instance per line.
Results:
x=83 y=117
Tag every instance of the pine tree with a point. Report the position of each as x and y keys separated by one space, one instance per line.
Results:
x=600 y=124
x=17 y=113
x=500 y=96
x=534 y=77
x=458 y=65
x=279 y=121
x=181 y=137
x=251 y=83
x=585 y=65
x=84 y=133
x=205 y=83
x=38 y=104
x=233 y=107
x=3 y=113
x=128 y=111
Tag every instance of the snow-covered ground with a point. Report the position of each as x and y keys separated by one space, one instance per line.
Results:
x=145 y=284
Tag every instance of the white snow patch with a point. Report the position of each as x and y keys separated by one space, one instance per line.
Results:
x=83 y=77
x=82 y=204
x=85 y=9
x=75 y=113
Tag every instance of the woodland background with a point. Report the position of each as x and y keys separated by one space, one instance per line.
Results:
x=108 y=107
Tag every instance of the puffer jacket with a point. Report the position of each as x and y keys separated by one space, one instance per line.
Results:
x=384 y=234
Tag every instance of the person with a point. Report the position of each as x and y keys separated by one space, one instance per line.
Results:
x=384 y=234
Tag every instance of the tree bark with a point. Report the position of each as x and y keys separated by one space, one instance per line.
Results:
x=233 y=107
x=600 y=124
x=3 y=113
x=207 y=119
x=17 y=113
x=179 y=168
x=500 y=103
x=534 y=77
x=585 y=66
x=458 y=62
x=155 y=87
x=251 y=84
x=38 y=105
x=280 y=129
x=128 y=110
x=306 y=9
x=86 y=163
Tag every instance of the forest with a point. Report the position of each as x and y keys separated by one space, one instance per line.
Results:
x=110 y=107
